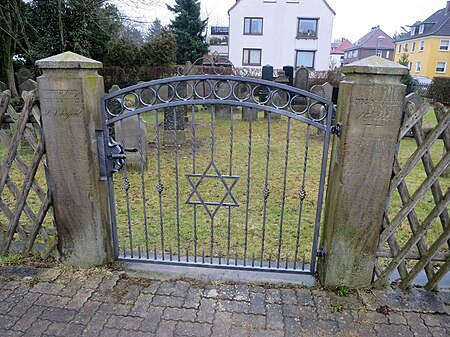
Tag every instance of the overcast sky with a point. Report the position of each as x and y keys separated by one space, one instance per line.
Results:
x=354 y=18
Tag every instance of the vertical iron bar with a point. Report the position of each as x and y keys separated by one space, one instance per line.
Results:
x=193 y=171
x=203 y=254
x=266 y=188
x=187 y=255
x=270 y=260
x=213 y=113
x=177 y=196
x=253 y=259
x=159 y=185
x=144 y=199
x=302 y=196
x=283 y=198
x=154 y=252
x=126 y=187
x=287 y=260
x=323 y=174
x=249 y=154
x=139 y=251
x=170 y=253
x=231 y=173
x=124 y=250
x=220 y=257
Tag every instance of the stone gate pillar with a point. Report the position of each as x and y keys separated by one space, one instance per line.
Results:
x=69 y=91
x=369 y=107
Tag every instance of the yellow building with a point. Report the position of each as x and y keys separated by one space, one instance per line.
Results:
x=428 y=46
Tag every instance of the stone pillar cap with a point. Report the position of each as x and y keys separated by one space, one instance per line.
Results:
x=68 y=60
x=375 y=65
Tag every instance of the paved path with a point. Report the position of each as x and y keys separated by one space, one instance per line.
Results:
x=59 y=302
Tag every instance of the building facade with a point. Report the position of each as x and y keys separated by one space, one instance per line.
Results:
x=280 y=33
x=218 y=40
x=427 y=45
x=376 y=42
x=337 y=53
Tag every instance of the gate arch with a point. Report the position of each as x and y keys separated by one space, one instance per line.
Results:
x=205 y=203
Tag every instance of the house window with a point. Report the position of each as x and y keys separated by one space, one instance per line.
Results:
x=413 y=47
x=305 y=58
x=445 y=45
x=387 y=53
x=251 y=57
x=379 y=53
x=345 y=55
x=409 y=66
x=440 y=67
x=421 y=45
x=418 y=66
x=413 y=31
x=307 y=28
x=355 y=53
x=399 y=50
x=421 y=28
x=405 y=49
x=253 y=26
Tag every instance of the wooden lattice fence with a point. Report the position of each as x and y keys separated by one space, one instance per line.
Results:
x=416 y=228
x=26 y=224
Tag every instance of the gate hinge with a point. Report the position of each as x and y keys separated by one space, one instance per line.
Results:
x=320 y=253
x=112 y=156
x=337 y=129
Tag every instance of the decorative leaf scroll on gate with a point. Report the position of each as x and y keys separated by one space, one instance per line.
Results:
x=234 y=177
x=26 y=224
x=416 y=228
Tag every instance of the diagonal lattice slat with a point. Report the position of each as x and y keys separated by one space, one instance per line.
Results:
x=25 y=203
x=430 y=254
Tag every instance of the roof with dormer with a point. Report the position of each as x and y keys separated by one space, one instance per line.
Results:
x=437 y=24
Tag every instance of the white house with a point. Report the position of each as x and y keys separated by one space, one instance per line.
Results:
x=280 y=33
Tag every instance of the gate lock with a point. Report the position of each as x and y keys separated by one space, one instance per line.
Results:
x=111 y=157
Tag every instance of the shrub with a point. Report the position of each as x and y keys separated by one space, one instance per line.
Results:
x=440 y=90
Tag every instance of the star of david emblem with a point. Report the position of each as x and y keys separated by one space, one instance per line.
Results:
x=227 y=181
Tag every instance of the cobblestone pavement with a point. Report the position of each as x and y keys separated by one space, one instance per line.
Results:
x=57 y=302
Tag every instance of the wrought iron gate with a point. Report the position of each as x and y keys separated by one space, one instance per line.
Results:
x=227 y=171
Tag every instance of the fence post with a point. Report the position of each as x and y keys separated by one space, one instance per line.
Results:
x=369 y=107
x=69 y=91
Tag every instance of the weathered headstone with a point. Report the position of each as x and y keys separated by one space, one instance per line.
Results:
x=327 y=91
x=289 y=72
x=23 y=75
x=70 y=90
x=317 y=110
x=280 y=98
x=28 y=85
x=301 y=78
x=131 y=132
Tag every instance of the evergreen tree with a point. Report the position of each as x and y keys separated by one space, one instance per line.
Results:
x=154 y=29
x=189 y=30
x=406 y=79
x=160 y=50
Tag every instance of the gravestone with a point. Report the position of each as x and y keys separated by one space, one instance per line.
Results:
x=279 y=98
x=317 y=111
x=28 y=85
x=3 y=86
x=242 y=91
x=301 y=78
x=267 y=74
x=328 y=91
x=289 y=72
x=127 y=133
x=222 y=90
x=23 y=75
